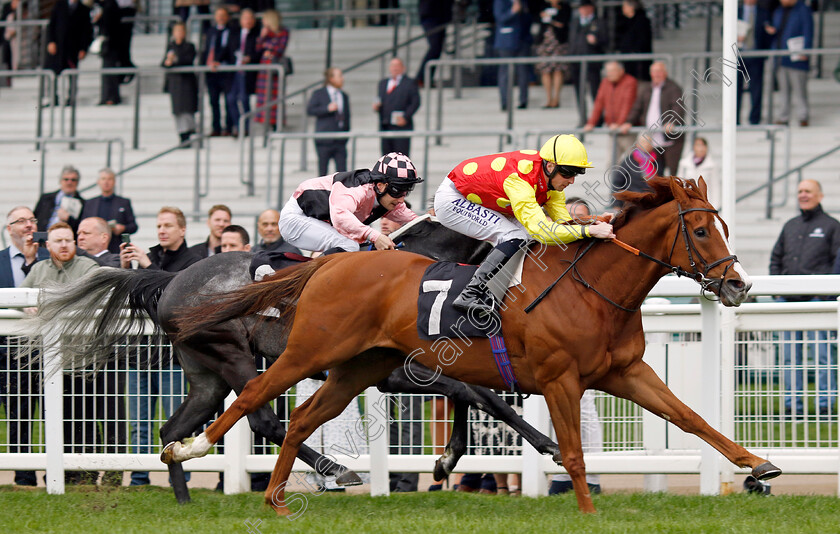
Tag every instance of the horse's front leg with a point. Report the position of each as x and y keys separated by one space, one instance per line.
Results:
x=640 y=384
x=563 y=398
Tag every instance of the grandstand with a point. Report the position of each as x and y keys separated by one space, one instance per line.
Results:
x=170 y=179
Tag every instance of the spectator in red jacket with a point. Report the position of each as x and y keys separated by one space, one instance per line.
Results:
x=613 y=102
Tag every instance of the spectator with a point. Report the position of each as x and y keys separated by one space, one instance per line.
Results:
x=64 y=205
x=116 y=48
x=587 y=36
x=218 y=52
x=218 y=218
x=271 y=45
x=268 y=227
x=434 y=16
x=114 y=209
x=69 y=34
x=635 y=169
x=182 y=9
x=109 y=402
x=183 y=86
x=553 y=40
x=397 y=101
x=752 y=35
x=158 y=375
x=666 y=93
x=9 y=49
x=634 y=36
x=613 y=102
x=793 y=29
x=19 y=388
x=62 y=268
x=93 y=238
x=512 y=38
x=234 y=238
x=244 y=45
x=700 y=163
x=331 y=108
x=808 y=244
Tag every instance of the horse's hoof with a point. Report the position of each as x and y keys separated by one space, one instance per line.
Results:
x=557 y=458
x=766 y=471
x=348 y=478
x=167 y=455
x=440 y=471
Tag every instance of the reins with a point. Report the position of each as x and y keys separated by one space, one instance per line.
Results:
x=701 y=277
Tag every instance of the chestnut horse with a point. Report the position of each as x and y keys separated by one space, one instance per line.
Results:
x=356 y=315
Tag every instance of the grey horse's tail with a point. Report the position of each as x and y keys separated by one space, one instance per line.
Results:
x=85 y=319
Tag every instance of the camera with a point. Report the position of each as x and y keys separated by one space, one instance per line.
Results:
x=39 y=237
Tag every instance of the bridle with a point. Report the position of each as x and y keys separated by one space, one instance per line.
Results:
x=696 y=274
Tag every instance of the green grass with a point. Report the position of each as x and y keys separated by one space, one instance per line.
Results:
x=153 y=509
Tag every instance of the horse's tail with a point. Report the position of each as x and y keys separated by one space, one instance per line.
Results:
x=280 y=290
x=83 y=320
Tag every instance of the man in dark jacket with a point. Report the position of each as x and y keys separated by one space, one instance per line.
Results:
x=116 y=210
x=160 y=375
x=243 y=43
x=512 y=38
x=793 y=29
x=397 y=101
x=49 y=209
x=657 y=107
x=634 y=36
x=218 y=218
x=331 y=108
x=588 y=35
x=217 y=52
x=69 y=34
x=269 y=229
x=752 y=35
x=808 y=244
x=433 y=15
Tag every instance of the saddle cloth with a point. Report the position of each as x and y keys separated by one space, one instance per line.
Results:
x=436 y=318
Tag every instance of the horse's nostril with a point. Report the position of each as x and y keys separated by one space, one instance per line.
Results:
x=737 y=285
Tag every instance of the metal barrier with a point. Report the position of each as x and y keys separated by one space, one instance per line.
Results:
x=735 y=373
x=42 y=143
x=582 y=83
x=202 y=71
x=691 y=76
x=353 y=136
x=41 y=74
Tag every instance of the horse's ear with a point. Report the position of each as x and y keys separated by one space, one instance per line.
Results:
x=678 y=190
x=701 y=185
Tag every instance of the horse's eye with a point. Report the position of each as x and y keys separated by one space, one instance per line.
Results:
x=700 y=232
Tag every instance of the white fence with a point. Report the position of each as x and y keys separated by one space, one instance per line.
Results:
x=728 y=364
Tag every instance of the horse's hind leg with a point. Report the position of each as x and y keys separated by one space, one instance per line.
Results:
x=206 y=392
x=341 y=387
x=640 y=384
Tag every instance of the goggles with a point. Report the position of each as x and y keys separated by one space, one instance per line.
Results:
x=399 y=192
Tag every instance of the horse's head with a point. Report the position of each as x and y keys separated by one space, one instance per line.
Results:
x=701 y=246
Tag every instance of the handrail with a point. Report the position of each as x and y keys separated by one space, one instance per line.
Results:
x=44 y=141
x=773 y=179
x=532 y=60
x=201 y=70
x=40 y=74
x=353 y=136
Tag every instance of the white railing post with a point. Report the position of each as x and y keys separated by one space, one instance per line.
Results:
x=237 y=446
x=535 y=413
x=727 y=396
x=376 y=414
x=53 y=414
x=837 y=415
x=654 y=428
x=710 y=405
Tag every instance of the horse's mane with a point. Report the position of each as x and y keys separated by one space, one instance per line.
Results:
x=659 y=193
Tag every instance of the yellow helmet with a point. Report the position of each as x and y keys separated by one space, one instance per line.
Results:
x=565 y=150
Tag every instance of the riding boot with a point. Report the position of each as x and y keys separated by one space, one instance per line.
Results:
x=476 y=295
x=334 y=250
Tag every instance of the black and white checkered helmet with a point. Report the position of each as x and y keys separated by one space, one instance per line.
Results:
x=399 y=171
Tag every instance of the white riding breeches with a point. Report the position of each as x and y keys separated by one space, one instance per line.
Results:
x=457 y=213
x=310 y=234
